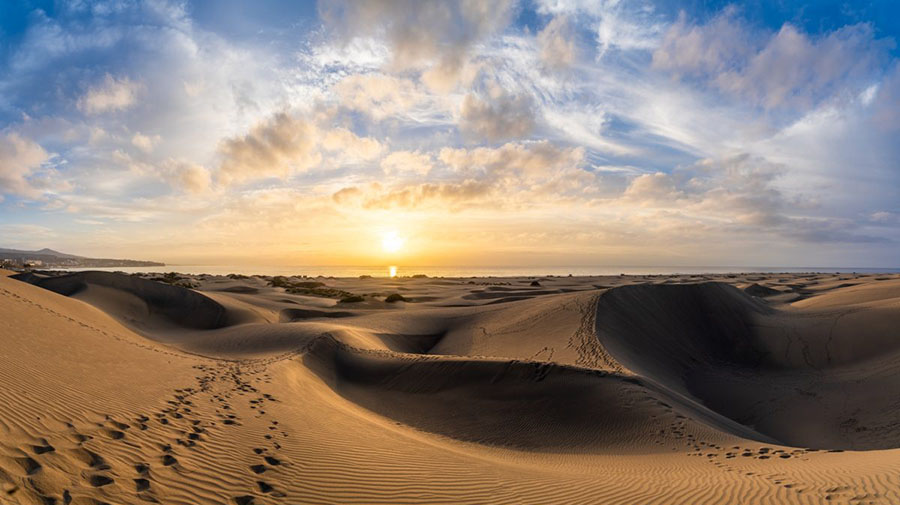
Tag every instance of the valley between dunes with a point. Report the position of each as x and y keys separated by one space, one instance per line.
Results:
x=718 y=389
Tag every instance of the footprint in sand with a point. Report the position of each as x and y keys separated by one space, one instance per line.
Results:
x=100 y=480
x=42 y=449
x=29 y=465
x=114 y=434
x=119 y=426
x=90 y=458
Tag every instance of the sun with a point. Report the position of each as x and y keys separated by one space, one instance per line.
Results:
x=391 y=242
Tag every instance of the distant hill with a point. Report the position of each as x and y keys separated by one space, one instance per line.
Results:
x=51 y=252
x=42 y=252
x=49 y=258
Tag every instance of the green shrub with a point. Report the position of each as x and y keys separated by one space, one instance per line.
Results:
x=280 y=281
x=310 y=288
x=174 y=279
x=308 y=284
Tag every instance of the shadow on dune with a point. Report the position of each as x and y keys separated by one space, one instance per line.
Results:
x=812 y=378
x=664 y=330
x=517 y=404
x=292 y=315
x=522 y=405
x=809 y=378
x=137 y=301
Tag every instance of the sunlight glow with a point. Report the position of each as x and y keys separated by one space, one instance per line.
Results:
x=392 y=243
x=392 y=271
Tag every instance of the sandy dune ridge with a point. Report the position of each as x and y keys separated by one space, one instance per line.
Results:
x=754 y=388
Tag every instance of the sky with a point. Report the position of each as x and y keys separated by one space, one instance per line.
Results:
x=519 y=133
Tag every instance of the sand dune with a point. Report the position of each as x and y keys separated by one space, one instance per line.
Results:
x=142 y=302
x=814 y=370
x=617 y=390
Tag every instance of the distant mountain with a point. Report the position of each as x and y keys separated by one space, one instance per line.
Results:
x=43 y=252
x=49 y=258
x=51 y=252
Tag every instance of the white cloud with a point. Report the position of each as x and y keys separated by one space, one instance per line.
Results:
x=514 y=174
x=788 y=67
x=526 y=161
x=188 y=176
x=111 y=95
x=868 y=95
x=886 y=113
x=378 y=95
x=649 y=189
x=20 y=158
x=407 y=162
x=275 y=148
x=628 y=25
x=145 y=142
x=285 y=144
x=421 y=35
x=704 y=49
x=349 y=147
x=501 y=116
x=885 y=217
x=557 y=43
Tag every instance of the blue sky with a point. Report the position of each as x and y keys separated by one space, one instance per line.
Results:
x=532 y=133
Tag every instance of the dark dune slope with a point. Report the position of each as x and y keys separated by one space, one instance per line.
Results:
x=517 y=404
x=138 y=300
x=792 y=375
x=666 y=329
